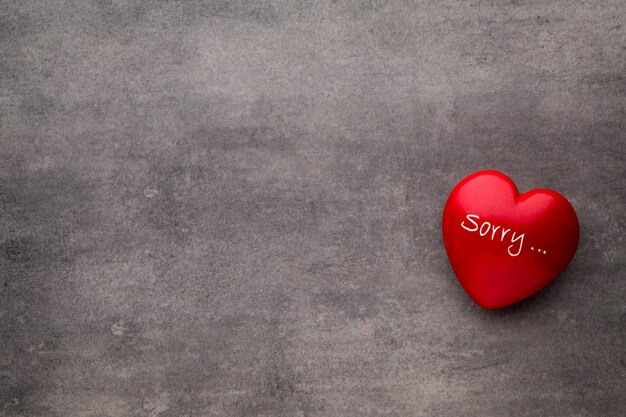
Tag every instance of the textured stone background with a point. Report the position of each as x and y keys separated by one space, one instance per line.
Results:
x=233 y=208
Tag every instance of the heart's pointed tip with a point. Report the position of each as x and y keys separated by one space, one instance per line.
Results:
x=494 y=306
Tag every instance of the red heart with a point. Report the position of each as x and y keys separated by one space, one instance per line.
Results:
x=505 y=246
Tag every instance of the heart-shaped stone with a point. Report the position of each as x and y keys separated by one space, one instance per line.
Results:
x=504 y=246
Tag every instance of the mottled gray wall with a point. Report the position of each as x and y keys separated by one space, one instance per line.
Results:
x=233 y=208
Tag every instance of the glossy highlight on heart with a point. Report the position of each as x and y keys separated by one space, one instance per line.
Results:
x=505 y=246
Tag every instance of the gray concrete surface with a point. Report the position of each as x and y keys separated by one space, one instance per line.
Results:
x=233 y=208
